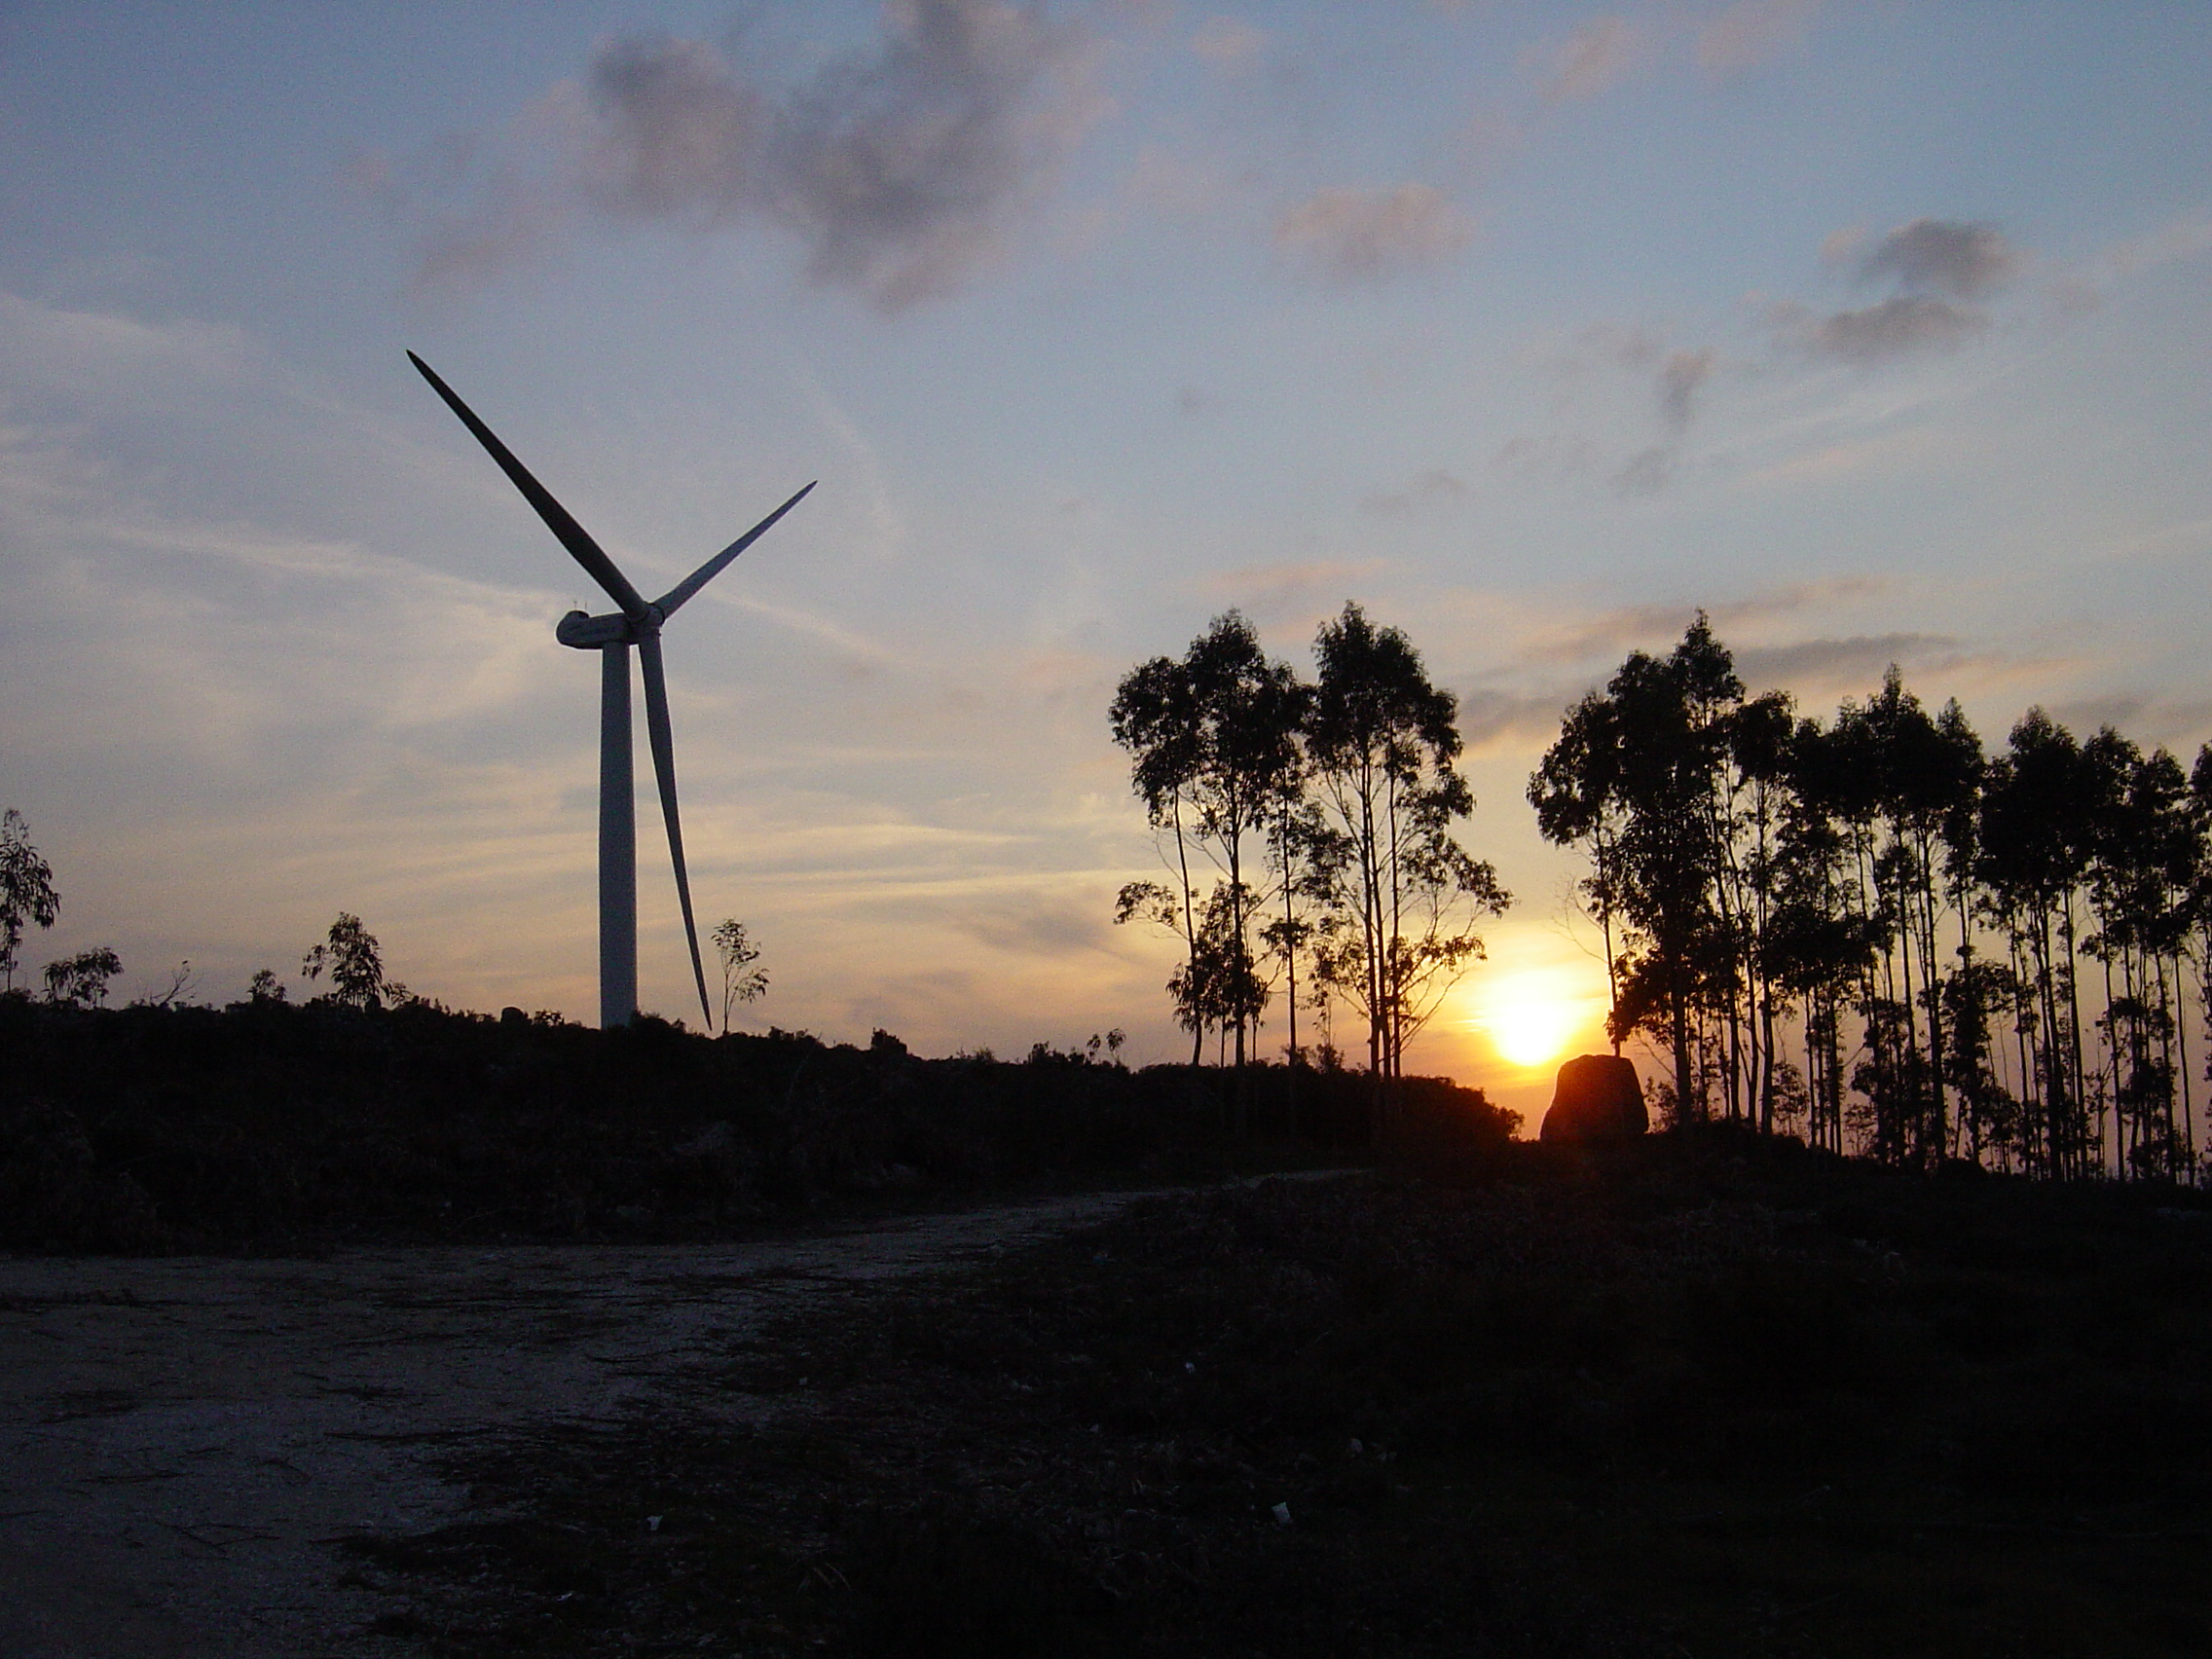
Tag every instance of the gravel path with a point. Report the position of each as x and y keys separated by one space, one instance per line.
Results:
x=181 y=1439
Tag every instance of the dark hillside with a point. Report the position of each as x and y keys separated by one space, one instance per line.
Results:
x=269 y=1125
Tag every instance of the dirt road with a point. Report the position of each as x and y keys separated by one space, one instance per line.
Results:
x=181 y=1440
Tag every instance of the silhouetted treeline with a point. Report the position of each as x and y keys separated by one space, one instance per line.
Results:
x=267 y=1123
x=1879 y=931
x=1324 y=811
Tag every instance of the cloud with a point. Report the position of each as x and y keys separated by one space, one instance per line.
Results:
x=1228 y=44
x=1900 y=326
x=1177 y=187
x=1433 y=484
x=1591 y=60
x=1966 y=261
x=1344 y=236
x=1831 y=663
x=1257 y=586
x=901 y=167
x=2184 y=238
x=1935 y=265
x=1623 y=344
x=1530 y=454
x=1645 y=472
x=1753 y=32
x=1031 y=927
x=2082 y=288
x=1491 y=721
x=1841 y=246
x=1679 y=377
x=673 y=134
x=1625 y=627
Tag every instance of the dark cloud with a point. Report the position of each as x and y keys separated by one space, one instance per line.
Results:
x=1505 y=719
x=1345 y=237
x=901 y=167
x=1899 y=327
x=1835 y=662
x=1560 y=455
x=1652 y=625
x=1434 y=485
x=675 y=135
x=1936 y=267
x=1966 y=261
x=1041 y=929
x=1679 y=377
x=1491 y=719
x=1645 y=472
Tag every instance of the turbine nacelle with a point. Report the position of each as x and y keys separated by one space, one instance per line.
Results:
x=596 y=633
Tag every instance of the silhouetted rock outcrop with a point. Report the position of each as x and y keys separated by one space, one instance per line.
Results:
x=1597 y=1099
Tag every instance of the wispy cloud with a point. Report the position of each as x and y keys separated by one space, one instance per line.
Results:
x=1426 y=488
x=1679 y=377
x=1228 y=43
x=1610 y=631
x=1902 y=325
x=1348 y=236
x=1259 y=587
x=1751 y=33
x=1588 y=62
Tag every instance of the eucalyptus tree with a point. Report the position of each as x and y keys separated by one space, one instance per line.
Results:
x=2145 y=836
x=2035 y=807
x=1673 y=715
x=26 y=891
x=350 y=955
x=1382 y=744
x=1308 y=859
x=81 y=981
x=744 y=980
x=1154 y=718
x=1577 y=791
x=1820 y=943
x=1759 y=791
x=1215 y=758
x=1249 y=709
x=1917 y=777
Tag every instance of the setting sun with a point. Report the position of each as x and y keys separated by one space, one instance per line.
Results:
x=1531 y=1018
x=1530 y=1033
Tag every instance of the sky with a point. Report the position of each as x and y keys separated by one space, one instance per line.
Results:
x=1879 y=331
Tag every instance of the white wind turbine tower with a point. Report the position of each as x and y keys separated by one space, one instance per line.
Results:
x=636 y=623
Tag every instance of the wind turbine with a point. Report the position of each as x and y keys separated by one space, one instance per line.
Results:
x=636 y=624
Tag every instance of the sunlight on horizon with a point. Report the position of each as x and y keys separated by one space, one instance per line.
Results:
x=1529 y=1018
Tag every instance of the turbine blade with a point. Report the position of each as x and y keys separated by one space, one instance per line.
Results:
x=570 y=534
x=664 y=774
x=713 y=567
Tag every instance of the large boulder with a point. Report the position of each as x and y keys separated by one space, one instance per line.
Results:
x=1597 y=1099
